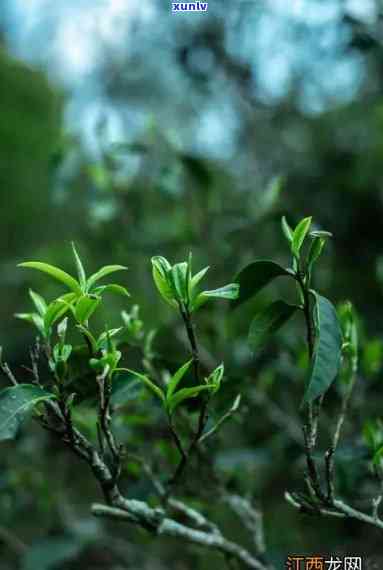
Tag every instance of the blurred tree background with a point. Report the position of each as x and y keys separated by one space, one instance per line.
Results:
x=135 y=132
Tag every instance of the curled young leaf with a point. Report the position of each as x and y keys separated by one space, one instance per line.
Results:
x=176 y=378
x=299 y=235
x=80 y=268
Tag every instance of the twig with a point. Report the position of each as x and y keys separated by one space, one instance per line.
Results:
x=223 y=419
x=6 y=370
x=251 y=518
x=169 y=527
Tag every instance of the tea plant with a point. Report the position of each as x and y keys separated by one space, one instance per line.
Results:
x=55 y=393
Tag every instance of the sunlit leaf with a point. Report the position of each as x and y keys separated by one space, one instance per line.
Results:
x=178 y=276
x=85 y=307
x=112 y=288
x=39 y=302
x=80 y=268
x=299 y=235
x=176 y=378
x=185 y=394
x=103 y=272
x=54 y=272
x=288 y=232
x=57 y=309
x=230 y=291
x=153 y=387
x=161 y=269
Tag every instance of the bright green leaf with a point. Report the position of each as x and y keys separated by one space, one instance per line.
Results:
x=153 y=387
x=39 y=302
x=86 y=332
x=85 y=307
x=54 y=272
x=176 y=378
x=288 y=232
x=178 y=278
x=197 y=278
x=230 y=291
x=161 y=276
x=80 y=268
x=299 y=235
x=103 y=272
x=33 y=318
x=184 y=394
x=111 y=288
x=320 y=233
x=57 y=309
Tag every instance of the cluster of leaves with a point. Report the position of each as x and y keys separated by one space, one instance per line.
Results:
x=333 y=336
x=172 y=397
x=179 y=287
x=83 y=299
x=328 y=338
x=175 y=283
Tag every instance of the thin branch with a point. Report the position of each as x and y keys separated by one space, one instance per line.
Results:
x=171 y=528
x=6 y=370
x=251 y=518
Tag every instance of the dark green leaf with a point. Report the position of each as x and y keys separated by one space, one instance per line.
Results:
x=15 y=403
x=50 y=553
x=257 y=275
x=178 y=276
x=326 y=360
x=268 y=321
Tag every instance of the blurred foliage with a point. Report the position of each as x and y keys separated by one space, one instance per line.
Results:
x=159 y=190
